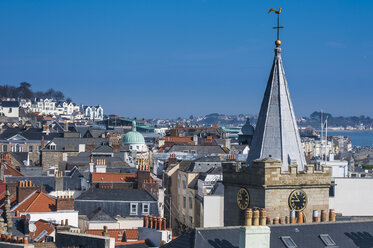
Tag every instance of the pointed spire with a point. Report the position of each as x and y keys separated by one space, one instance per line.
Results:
x=276 y=133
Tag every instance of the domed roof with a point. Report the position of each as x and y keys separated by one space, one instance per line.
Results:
x=247 y=129
x=133 y=136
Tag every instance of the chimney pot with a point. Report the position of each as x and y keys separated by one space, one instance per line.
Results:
x=256 y=217
x=248 y=217
x=300 y=217
x=263 y=217
x=164 y=223
x=275 y=221
x=292 y=216
x=331 y=215
x=323 y=216
x=315 y=216
x=268 y=220
x=282 y=220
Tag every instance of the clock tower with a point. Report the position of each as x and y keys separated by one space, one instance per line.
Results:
x=275 y=176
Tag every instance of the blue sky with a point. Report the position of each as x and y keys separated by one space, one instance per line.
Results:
x=170 y=58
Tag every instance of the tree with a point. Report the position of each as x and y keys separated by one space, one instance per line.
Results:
x=69 y=100
x=49 y=93
x=59 y=96
x=24 y=90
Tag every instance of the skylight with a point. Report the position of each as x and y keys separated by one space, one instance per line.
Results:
x=328 y=241
x=288 y=242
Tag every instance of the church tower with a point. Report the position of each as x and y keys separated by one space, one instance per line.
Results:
x=275 y=176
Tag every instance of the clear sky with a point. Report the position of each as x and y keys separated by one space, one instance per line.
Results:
x=170 y=58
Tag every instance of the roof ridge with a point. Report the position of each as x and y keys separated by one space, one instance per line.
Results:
x=28 y=197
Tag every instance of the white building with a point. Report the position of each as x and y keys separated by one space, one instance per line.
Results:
x=352 y=196
x=9 y=109
x=93 y=112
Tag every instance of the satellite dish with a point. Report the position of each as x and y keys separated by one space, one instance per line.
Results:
x=32 y=227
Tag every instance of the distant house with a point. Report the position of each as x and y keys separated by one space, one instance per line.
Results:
x=10 y=109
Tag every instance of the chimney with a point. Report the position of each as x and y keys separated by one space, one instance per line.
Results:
x=164 y=223
x=263 y=217
x=101 y=165
x=58 y=181
x=275 y=221
x=116 y=146
x=172 y=160
x=90 y=146
x=248 y=217
x=25 y=188
x=159 y=222
x=8 y=213
x=256 y=217
x=331 y=215
x=292 y=216
x=323 y=216
x=2 y=171
x=66 y=129
x=315 y=216
x=300 y=217
x=268 y=220
x=42 y=142
x=65 y=203
x=106 y=233
x=150 y=221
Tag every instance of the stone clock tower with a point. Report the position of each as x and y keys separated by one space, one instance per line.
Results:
x=275 y=176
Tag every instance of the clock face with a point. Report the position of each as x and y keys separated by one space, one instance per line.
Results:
x=298 y=200
x=243 y=198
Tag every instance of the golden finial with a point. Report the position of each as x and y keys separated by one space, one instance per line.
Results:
x=278 y=12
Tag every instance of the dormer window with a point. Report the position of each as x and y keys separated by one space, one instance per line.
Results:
x=52 y=147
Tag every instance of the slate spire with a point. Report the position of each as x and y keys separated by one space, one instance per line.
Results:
x=276 y=133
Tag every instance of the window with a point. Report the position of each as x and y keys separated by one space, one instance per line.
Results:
x=194 y=151
x=190 y=202
x=184 y=202
x=328 y=241
x=39 y=148
x=133 y=210
x=137 y=147
x=145 y=208
x=5 y=148
x=288 y=242
x=185 y=151
x=10 y=110
x=30 y=148
x=191 y=220
x=52 y=147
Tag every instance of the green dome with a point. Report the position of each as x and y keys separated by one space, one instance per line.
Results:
x=133 y=136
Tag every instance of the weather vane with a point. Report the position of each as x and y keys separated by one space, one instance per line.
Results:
x=278 y=12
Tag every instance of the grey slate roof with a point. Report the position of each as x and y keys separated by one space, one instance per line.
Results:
x=116 y=195
x=100 y=215
x=276 y=133
x=227 y=237
x=200 y=149
x=70 y=182
x=61 y=143
x=115 y=201
x=345 y=234
x=10 y=104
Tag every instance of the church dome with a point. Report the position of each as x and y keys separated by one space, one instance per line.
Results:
x=134 y=137
x=247 y=129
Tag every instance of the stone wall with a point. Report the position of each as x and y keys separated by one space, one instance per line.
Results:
x=53 y=158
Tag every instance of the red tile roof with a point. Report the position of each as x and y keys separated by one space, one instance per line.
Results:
x=177 y=139
x=113 y=177
x=11 y=171
x=132 y=233
x=132 y=242
x=117 y=234
x=42 y=225
x=37 y=202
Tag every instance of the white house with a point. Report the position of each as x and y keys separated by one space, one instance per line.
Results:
x=10 y=109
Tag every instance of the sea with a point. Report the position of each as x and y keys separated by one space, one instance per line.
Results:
x=357 y=138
